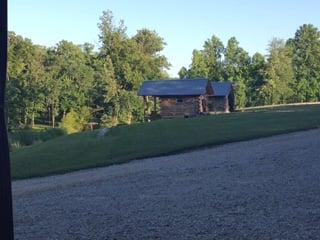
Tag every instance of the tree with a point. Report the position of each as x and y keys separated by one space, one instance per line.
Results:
x=48 y=83
x=256 y=79
x=236 y=69
x=52 y=82
x=130 y=61
x=183 y=73
x=70 y=77
x=279 y=74
x=25 y=80
x=213 y=51
x=207 y=63
x=152 y=65
x=306 y=58
x=75 y=122
x=198 y=67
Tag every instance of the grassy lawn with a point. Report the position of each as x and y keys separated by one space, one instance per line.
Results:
x=20 y=138
x=124 y=143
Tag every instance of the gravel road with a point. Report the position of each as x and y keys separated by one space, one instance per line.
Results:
x=262 y=189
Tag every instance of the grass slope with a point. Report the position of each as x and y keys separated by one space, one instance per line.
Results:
x=124 y=143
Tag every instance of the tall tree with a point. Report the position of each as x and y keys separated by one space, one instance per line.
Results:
x=236 y=69
x=133 y=60
x=207 y=63
x=198 y=67
x=256 y=79
x=183 y=73
x=70 y=79
x=213 y=51
x=25 y=80
x=306 y=58
x=152 y=64
x=279 y=74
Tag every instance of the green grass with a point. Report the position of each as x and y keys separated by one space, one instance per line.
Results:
x=124 y=143
x=26 y=137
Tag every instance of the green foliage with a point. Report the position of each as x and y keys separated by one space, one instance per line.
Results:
x=183 y=73
x=213 y=52
x=44 y=84
x=70 y=77
x=27 y=137
x=127 y=63
x=306 y=59
x=256 y=80
x=198 y=67
x=291 y=72
x=236 y=70
x=75 y=122
x=109 y=121
x=207 y=63
x=125 y=143
x=279 y=74
x=25 y=87
x=240 y=93
x=70 y=123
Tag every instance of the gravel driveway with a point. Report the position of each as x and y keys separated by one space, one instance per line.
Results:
x=262 y=189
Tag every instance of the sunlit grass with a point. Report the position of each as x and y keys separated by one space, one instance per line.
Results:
x=124 y=143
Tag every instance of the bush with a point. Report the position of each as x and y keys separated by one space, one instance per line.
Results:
x=76 y=121
x=70 y=123
x=27 y=137
x=109 y=121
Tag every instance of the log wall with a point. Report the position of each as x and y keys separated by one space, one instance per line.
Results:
x=171 y=107
x=218 y=104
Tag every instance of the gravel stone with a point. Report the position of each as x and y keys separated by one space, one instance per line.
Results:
x=261 y=189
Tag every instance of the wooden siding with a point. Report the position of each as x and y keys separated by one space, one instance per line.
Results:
x=218 y=104
x=171 y=107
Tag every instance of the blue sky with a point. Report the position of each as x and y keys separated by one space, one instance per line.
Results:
x=184 y=25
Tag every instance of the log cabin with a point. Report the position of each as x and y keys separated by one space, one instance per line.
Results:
x=222 y=99
x=186 y=98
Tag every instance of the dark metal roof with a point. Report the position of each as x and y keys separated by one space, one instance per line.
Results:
x=185 y=87
x=221 y=88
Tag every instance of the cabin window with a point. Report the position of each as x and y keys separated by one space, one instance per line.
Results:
x=179 y=100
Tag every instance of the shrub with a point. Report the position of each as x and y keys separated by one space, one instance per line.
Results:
x=70 y=123
x=27 y=137
x=51 y=133
x=109 y=121
x=76 y=121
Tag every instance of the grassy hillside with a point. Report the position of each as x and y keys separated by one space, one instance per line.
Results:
x=124 y=143
x=25 y=137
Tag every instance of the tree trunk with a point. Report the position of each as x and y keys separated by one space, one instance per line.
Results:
x=32 y=120
x=53 y=118
x=25 y=120
x=49 y=116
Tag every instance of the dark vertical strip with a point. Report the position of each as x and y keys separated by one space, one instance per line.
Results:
x=6 y=220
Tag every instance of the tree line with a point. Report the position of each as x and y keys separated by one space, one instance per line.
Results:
x=290 y=72
x=77 y=84
x=80 y=84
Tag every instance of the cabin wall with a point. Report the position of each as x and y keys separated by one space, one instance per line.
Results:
x=171 y=107
x=231 y=99
x=218 y=104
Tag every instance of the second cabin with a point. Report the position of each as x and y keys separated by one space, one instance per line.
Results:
x=187 y=97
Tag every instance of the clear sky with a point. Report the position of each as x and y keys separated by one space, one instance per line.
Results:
x=184 y=25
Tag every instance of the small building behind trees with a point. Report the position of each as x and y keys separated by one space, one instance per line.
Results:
x=186 y=98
